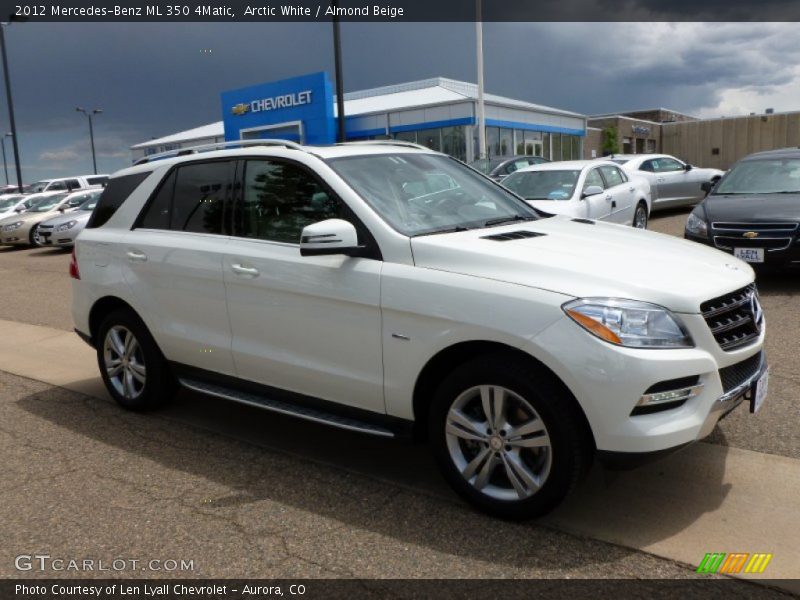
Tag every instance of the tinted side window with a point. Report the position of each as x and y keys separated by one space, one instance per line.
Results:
x=56 y=186
x=113 y=196
x=73 y=184
x=156 y=214
x=665 y=165
x=201 y=190
x=647 y=166
x=612 y=176
x=280 y=199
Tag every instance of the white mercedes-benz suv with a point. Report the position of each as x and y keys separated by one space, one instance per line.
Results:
x=388 y=289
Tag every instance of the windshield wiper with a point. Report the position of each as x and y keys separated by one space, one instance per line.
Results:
x=501 y=220
x=456 y=229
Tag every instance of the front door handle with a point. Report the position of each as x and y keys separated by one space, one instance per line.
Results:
x=136 y=256
x=608 y=198
x=631 y=189
x=244 y=271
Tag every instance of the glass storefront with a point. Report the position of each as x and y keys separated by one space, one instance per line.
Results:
x=500 y=142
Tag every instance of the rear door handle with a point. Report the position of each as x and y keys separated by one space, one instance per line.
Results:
x=631 y=189
x=136 y=256
x=244 y=271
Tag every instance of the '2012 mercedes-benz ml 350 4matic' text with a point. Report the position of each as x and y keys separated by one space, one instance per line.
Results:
x=388 y=289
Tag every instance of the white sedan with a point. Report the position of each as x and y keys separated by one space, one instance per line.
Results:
x=587 y=189
x=674 y=182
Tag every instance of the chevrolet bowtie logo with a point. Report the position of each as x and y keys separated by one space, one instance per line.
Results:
x=750 y=235
x=240 y=109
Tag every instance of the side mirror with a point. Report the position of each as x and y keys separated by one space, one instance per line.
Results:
x=592 y=190
x=333 y=236
x=687 y=167
x=707 y=186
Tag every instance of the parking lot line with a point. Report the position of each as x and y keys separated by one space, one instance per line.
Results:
x=707 y=498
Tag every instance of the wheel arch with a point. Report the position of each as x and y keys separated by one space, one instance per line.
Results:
x=101 y=308
x=447 y=359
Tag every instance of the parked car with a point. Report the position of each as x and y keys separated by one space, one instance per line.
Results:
x=672 y=181
x=66 y=184
x=63 y=229
x=500 y=168
x=754 y=210
x=339 y=285
x=11 y=204
x=20 y=229
x=588 y=189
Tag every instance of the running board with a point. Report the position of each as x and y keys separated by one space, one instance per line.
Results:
x=285 y=408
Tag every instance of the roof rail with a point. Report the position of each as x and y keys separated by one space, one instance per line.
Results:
x=219 y=146
x=387 y=143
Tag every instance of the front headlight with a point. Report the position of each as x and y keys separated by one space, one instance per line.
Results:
x=629 y=323
x=67 y=225
x=13 y=226
x=696 y=226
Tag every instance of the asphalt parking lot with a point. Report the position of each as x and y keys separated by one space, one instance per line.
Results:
x=244 y=493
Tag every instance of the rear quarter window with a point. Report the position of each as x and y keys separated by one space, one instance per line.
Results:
x=115 y=193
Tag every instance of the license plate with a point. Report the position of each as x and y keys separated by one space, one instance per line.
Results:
x=753 y=255
x=759 y=392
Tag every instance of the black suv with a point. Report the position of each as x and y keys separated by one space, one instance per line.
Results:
x=754 y=210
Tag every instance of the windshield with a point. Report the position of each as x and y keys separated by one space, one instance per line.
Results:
x=37 y=187
x=485 y=165
x=427 y=193
x=7 y=203
x=543 y=185
x=47 y=203
x=776 y=176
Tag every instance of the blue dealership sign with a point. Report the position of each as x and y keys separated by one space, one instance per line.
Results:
x=299 y=109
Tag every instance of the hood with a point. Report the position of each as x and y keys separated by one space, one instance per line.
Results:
x=586 y=259
x=753 y=208
x=80 y=217
x=30 y=217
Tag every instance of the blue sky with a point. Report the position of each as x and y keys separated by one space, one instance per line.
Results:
x=155 y=79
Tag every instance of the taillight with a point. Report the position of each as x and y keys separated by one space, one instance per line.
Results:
x=74 y=272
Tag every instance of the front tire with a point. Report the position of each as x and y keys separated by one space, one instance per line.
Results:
x=640 y=216
x=132 y=367
x=33 y=237
x=507 y=437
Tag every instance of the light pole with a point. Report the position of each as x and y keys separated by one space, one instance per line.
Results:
x=5 y=165
x=481 y=110
x=341 y=136
x=10 y=106
x=88 y=114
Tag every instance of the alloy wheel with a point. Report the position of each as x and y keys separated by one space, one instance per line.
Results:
x=124 y=362
x=640 y=218
x=498 y=442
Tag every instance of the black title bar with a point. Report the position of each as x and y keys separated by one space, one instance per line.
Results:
x=402 y=10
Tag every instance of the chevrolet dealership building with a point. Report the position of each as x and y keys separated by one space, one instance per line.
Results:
x=439 y=113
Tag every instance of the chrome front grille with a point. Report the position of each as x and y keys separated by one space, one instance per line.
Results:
x=771 y=236
x=734 y=319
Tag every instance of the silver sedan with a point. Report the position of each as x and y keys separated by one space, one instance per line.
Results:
x=63 y=229
x=672 y=181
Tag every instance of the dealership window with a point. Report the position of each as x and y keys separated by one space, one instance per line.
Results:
x=493 y=141
x=454 y=142
x=519 y=142
x=576 y=147
x=546 y=146
x=533 y=143
x=651 y=146
x=555 y=139
x=431 y=138
x=627 y=146
x=406 y=136
x=280 y=199
x=506 y=142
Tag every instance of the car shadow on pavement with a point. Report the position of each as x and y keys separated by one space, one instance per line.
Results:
x=50 y=251
x=236 y=463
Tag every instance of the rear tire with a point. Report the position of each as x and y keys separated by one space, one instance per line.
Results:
x=133 y=369
x=640 y=216
x=507 y=437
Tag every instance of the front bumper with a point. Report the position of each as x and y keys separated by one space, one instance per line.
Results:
x=786 y=255
x=608 y=382
x=48 y=236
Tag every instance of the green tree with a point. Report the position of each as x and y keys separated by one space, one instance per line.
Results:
x=610 y=141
